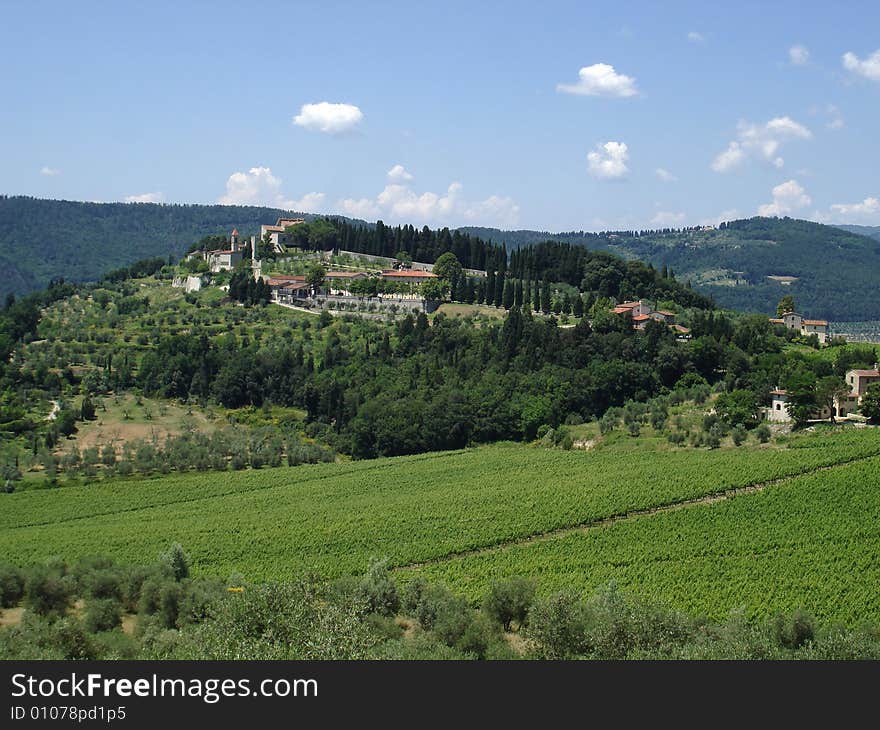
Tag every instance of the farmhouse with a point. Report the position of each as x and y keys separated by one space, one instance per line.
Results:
x=338 y=281
x=844 y=405
x=641 y=313
x=858 y=381
x=277 y=234
x=807 y=327
x=778 y=410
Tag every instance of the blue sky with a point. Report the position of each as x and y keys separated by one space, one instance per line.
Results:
x=551 y=115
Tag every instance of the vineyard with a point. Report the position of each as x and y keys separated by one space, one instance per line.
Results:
x=332 y=518
x=812 y=542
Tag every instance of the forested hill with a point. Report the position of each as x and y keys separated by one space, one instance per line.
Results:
x=872 y=231
x=44 y=239
x=836 y=271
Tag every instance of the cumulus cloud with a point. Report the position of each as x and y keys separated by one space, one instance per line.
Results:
x=798 y=55
x=398 y=173
x=600 y=79
x=308 y=203
x=868 y=208
x=695 y=37
x=665 y=175
x=665 y=219
x=258 y=186
x=399 y=202
x=50 y=171
x=146 y=198
x=869 y=67
x=608 y=161
x=788 y=197
x=328 y=118
x=760 y=140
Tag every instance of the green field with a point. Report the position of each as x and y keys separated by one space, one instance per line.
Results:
x=333 y=518
x=810 y=542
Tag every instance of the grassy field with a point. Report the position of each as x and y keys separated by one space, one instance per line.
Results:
x=333 y=518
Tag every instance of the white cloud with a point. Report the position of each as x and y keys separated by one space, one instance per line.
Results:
x=600 y=79
x=730 y=158
x=328 y=118
x=787 y=198
x=836 y=121
x=308 y=203
x=761 y=141
x=798 y=55
x=869 y=68
x=399 y=202
x=398 y=173
x=608 y=161
x=50 y=171
x=665 y=175
x=258 y=186
x=665 y=219
x=360 y=208
x=695 y=37
x=868 y=208
x=146 y=198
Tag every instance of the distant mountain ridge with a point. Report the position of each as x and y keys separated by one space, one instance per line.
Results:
x=831 y=271
x=872 y=231
x=44 y=239
x=750 y=264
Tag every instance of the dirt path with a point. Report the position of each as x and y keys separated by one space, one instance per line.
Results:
x=53 y=414
x=632 y=514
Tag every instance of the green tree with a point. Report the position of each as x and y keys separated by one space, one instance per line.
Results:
x=828 y=390
x=786 y=305
x=448 y=268
x=870 y=406
x=315 y=277
x=510 y=601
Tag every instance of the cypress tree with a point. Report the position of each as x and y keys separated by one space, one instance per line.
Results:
x=545 y=297
x=500 y=284
x=518 y=294
x=508 y=297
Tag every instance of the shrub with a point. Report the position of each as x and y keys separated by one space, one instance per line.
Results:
x=510 y=601
x=763 y=433
x=177 y=561
x=48 y=591
x=378 y=590
x=558 y=627
x=739 y=435
x=412 y=594
x=102 y=615
x=11 y=585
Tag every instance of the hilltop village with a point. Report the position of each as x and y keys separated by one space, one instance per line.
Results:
x=338 y=281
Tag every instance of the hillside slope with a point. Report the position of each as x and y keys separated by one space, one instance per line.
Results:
x=831 y=272
x=44 y=239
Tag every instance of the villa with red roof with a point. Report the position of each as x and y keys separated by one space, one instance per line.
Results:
x=807 y=327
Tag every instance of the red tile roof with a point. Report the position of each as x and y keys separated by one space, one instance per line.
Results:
x=778 y=392
x=641 y=317
x=867 y=373
x=344 y=274
x=816 y=322
x=409 y=274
